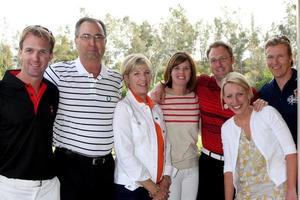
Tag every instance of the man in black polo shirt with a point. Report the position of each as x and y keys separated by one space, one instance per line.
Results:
x=281 y=92
x=28 y=105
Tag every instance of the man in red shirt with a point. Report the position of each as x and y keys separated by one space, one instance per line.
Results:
x=213 y=115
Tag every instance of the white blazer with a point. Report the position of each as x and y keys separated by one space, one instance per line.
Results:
x=135 y=142
x=271 y=136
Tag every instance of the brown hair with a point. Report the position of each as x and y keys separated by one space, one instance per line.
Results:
x=280 y=39
x=40 y=32
x=88 y=19
x=175 y=60
x=219 y=44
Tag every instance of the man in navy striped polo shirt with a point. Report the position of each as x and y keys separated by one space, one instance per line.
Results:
x=82 y=131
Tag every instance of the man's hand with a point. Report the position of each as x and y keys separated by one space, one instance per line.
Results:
x=259 y=104
x=158 y=93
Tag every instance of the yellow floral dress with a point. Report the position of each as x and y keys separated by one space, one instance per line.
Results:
x=253 y=182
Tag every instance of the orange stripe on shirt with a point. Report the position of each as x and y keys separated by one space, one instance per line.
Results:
x=159 y=137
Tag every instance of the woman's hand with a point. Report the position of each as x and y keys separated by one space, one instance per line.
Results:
x=163 y=192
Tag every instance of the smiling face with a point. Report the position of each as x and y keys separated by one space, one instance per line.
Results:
x=90 y=41
x=236 y=97
x=279 y=61
x=220 y=62
x=181 y=74
x=34 y=57
x=138 y=80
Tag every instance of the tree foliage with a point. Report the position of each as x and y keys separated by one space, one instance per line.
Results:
x=6 y=58
x=64 y=46
x=176 y=33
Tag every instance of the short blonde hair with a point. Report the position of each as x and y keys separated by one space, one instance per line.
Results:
x=236 y=78
x=132 y=62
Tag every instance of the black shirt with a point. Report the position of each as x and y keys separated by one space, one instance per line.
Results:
x=26 y=136
x=284 y=101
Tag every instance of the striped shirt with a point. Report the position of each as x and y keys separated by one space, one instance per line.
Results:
x=86 y=104
x=181 y=114
x=181 y=109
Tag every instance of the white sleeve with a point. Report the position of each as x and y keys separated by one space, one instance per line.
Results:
x=281 y=130
x=125 y=146
x=168 y=165
x=225 y=132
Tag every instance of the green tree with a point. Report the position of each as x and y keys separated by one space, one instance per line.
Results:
x=175 y=34
x=119 y=32
x=287 y=26
x=204 y=31
x=6 y=58
x=64 y=46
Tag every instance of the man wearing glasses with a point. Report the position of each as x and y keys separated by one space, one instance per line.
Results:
x=82 y=131
x=213 y=115
x=28 y=105
x=281 y=92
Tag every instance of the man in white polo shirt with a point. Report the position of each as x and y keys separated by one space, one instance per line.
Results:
x=82 y=130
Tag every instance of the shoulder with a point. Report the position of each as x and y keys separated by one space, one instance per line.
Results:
x=113 y=72
x=63 y=66
x=123 y=104
x=267 y=113
x=50 y=85
x=228 y=124
x=228 y=127
x=265 y=87
x=203 y=78
x=113 y=75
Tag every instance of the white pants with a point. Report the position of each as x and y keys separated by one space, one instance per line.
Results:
x=185 y=184
x=17 y=189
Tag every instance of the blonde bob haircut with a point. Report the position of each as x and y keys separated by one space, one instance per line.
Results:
x=238 y=79
x=133 y=62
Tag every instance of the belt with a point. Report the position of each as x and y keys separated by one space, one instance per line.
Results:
x=100 y=160
x=212 y=154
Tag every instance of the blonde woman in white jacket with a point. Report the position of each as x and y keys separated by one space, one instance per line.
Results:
x=143 y=165
x=260 y=155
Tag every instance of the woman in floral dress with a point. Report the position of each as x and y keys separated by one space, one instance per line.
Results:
x=260 y=155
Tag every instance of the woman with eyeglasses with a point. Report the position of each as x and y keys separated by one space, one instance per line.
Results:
x=259 y=151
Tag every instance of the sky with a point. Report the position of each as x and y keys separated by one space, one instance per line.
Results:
x=16 y=14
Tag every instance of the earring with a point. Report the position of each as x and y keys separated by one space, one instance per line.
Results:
x=225 y=106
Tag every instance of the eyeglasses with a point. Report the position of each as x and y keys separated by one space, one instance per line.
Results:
x=96 y=37
x=221 y=60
